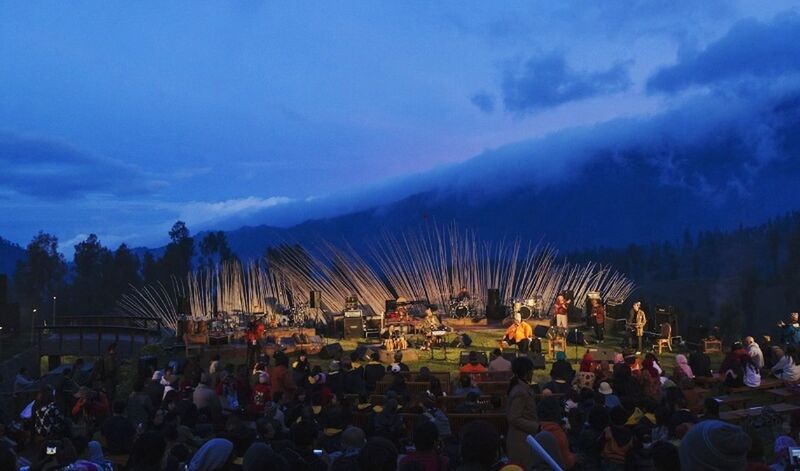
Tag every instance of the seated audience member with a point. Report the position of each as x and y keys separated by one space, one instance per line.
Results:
x=398 y=361
x=470 y=405
x=732 y=367
x=261 y=457
x=425 y=436
x=682 y=368
x=498 y=363
x=713 y=445
x=426 y=376
x=710 y=409
x=754 y=352
x=640 y=456
x=353 y=440
x=562 y=370
x=700 y=363
x=479 y=446
x=590 y=439
x=378 y=454
x=780 y=457
x=373 y=372
x=752 y=374
x=665 y=456
x=465 y=386
x=785 y=367
x=118 y=431
x=550 y=419
x=473 y=367
x=610 y=399
x=617 y=440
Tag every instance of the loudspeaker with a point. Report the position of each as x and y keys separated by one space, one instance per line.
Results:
x=615 y=309
x=493 y=308
x=184 y=307
x=466 y=341
x=575 y=337
x=353 y=328
x=536 y=345
x=464 y=358
x=540 y=331
x=538 y=360
x=3 y=288
x=509 y=355
x=391 y=305
x=315 y=299
x=331 y=351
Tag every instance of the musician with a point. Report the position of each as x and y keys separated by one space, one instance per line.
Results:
x=463 y=295
x=598 y=318
x=560 y=309
x=253 y=336
x=430 y=323
x=637 y=319
x=519 y=333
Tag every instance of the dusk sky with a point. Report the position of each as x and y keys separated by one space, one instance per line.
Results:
x=118 y=118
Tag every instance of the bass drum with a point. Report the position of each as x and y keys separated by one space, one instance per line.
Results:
x=462 y=311
x=525 y=312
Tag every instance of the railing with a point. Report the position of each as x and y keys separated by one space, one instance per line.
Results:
x=121 y=327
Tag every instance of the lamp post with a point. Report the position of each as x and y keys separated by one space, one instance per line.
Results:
x=54 y=311
x=33 y=323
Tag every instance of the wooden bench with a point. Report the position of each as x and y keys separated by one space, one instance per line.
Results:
x=707 y=381
x=413 y=388
x=785 y=395
x=734 y=401
x=491 y=376
x=494 y=388
x=766 y=384
x=446 y=403
x=741 y=414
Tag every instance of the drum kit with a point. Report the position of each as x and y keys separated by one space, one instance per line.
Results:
x=530 y=308
x=463 y=308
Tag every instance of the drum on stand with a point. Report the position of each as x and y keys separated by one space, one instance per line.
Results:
x=525 y=312
x=462 y=311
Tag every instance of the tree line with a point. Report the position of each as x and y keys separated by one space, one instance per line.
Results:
x=97 y=276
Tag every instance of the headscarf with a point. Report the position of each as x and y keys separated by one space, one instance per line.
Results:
x=561 y=356
x=587 y=363
x=96 y=452
x=683 y=363
x=212 y=455
x=783 y=443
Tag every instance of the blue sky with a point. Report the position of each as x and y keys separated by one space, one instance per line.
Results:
x=120 y=117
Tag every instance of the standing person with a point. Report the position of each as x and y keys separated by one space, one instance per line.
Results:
x=281 y=378
x=560 y=309
x=253 y=337
x=519 y=333
x=598 y=320
x=790 y=333
x=106 y=370
x=522 y=418
x=637 y=319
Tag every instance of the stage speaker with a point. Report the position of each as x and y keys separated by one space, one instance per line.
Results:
x=575 y=337
x=540 y=331
x=315 y=299
x=536 y=345
x=3 y=289
x=331 y=351
x=464 y=358
x=493 y=308
x=466 y=341
x=538 y=360
x=391 y=305
x=604 y=354
x=615 y=309
x=510 y=355
x=353 y=328
x=184 y=307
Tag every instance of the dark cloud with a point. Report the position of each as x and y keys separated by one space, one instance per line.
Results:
x=50 y=169
x=547 y=81
x=750 y=49
x=484 y=101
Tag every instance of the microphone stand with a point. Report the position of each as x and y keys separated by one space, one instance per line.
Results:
x=576 y=345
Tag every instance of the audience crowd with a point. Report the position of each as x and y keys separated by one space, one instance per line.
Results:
x=622 y=413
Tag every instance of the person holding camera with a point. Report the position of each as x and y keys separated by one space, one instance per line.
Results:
x=790 y=333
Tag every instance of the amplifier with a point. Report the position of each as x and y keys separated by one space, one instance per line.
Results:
x=353 y=328
x=352 y=314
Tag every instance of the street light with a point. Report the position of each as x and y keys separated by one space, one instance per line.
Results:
x=33 y=323
x=54 y=310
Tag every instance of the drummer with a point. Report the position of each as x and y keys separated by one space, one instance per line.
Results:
x=463 y=295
